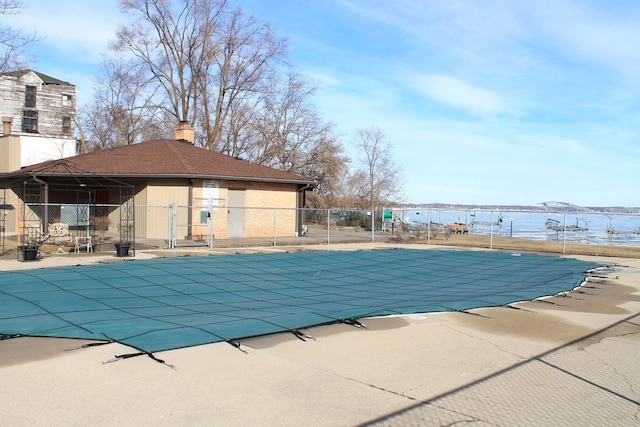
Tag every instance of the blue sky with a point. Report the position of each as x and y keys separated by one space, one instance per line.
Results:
x=485 y=101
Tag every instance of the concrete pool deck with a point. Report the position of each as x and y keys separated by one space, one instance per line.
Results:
x=573 y=362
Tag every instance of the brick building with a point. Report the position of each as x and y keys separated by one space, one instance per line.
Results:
x=212 y=193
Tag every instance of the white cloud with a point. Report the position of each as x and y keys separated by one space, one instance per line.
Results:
x=322 y=79
x=457 y=93
x=600 y=33
x=80 y=30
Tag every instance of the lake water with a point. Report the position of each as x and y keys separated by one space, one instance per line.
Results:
x=588 y=228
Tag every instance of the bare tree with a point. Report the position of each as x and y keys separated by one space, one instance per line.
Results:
x=175 y=44
x=239 y=135
x=124 y=109
x=13 y=43
x=241 y=74
x=288 y=126
x=211 y=63
x=293 y=137
x=382 y=178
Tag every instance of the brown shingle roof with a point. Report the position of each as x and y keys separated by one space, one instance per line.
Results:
x=165 y=158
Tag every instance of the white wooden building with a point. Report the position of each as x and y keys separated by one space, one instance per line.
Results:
x=38 y=119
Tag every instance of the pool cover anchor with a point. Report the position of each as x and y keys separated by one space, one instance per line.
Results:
x=354 y=322
x=566 y=295
x=237 y=345
x=548 y=302
x=301 y=335
x=472 y=313
x=9 y=336
x=513 y=307
x=120 y=357
x=463 y=311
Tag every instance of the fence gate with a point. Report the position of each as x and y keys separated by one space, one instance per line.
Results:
x=193 y=225
x=4 y=207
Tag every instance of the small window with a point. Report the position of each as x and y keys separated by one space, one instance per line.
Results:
x=67 y=99
x=30 y=97
x=66 y=125
x=30 y=121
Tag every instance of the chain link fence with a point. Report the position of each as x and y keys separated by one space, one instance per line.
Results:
x=218 y=225
x=210 y=226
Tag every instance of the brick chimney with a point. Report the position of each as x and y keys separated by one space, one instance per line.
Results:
x=185 y=132
x=6 y=125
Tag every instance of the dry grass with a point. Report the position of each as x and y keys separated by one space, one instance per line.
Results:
x=515 y=244
x=465 y=240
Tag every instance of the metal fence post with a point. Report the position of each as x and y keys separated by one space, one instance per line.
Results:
x=173 y=219
x=491 y=231
x=328 y=225
x=210 y=228
x=564 y=234
x=429 y=227
x=373 y=225
x=274 y=227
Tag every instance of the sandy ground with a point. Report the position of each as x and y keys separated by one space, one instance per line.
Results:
x=392 y=371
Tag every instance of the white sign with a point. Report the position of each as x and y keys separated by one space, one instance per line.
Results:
x=210 y=194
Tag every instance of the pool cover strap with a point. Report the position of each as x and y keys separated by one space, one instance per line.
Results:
x=117 y=358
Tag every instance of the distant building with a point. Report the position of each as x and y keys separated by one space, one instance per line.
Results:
x=38 y=113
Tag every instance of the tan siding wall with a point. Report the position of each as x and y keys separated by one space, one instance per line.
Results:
x=159 y=196
x=114 y=213
x=11 y=219
x=141 y=199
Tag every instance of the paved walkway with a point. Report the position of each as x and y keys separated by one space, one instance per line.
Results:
x=570 y=361
x=591 y=382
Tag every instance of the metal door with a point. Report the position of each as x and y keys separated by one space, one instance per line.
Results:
x=235 y=210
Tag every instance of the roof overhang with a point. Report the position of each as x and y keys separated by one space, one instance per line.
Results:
x=216 y=177
x=7 y=180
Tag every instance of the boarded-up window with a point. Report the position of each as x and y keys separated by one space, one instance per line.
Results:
x=30 y=121
x=66 y=125
x=30 y=97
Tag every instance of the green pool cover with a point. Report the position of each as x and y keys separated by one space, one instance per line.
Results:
x=170 y=303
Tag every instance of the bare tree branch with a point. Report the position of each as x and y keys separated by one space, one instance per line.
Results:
x=174 y=44
x=13 y=43
x=383 y=178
